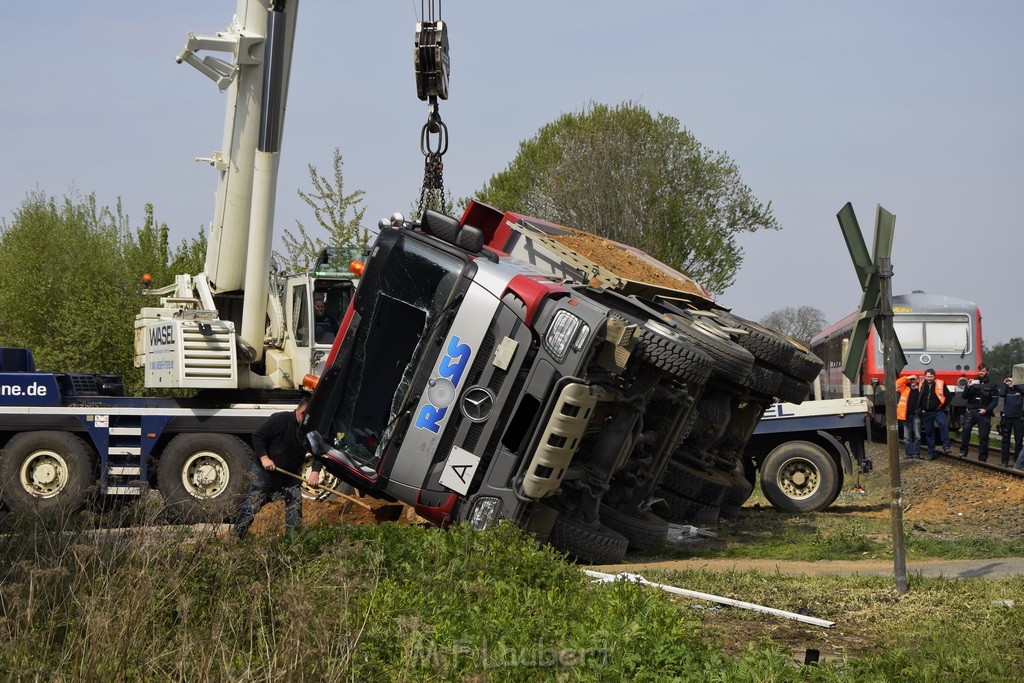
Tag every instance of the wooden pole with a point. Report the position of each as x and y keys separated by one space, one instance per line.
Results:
x=344 y=496
x=887 y=333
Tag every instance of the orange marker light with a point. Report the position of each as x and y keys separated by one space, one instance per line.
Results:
x=309 y=382
x=147 y=279
x=356 y=268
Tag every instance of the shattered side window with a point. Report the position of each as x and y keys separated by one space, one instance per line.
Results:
x=413 y=288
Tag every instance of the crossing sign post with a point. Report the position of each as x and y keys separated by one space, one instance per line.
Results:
x=874 y=271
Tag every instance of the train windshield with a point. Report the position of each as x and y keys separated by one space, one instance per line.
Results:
x=934 y=334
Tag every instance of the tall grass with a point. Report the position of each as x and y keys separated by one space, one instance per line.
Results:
x=403 y=603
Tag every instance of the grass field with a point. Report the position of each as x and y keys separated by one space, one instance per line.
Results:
x=406 y=603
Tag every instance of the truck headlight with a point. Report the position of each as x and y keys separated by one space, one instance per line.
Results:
x=565 y=329
x=484 y=513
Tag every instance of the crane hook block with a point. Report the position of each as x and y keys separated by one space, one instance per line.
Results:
x=430 y=57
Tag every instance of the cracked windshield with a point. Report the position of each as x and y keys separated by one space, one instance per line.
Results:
x=407 y=299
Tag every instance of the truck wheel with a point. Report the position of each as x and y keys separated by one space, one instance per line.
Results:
x=805 y=365
x=683 y=510
x=587 y=544
x=202 y=476
x=704 y=487
x=641 y=532
x=763 y=381
x=736 y=495
x=799 y=476
x=326 y=479
x=766 y=345
x=46 y=473
x=665 y=350
x=732 y=361
x=792 y=390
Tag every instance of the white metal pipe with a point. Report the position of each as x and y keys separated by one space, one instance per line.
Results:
x=635 y=578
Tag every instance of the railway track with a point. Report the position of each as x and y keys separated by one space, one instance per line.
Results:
x=971 y=460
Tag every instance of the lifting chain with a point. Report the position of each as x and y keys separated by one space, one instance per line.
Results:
x=432 y=65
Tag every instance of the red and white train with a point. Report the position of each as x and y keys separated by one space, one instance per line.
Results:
x=941 y=333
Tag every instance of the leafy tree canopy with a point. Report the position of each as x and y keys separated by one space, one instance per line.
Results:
x=799 y=323
x=1002 y=357
x=71 y=287
x=633 y=177
x=331 y=208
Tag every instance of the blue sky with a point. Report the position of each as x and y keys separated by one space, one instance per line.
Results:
x=917 y=106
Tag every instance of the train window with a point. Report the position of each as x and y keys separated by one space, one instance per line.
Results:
x=951 y=334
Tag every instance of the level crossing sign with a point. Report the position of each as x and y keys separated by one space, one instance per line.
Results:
x=870 y=268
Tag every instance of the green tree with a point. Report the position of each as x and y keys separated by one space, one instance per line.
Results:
x=331 y=208
x=1002 y=357
x=799 y=323
x=636 y=178
x=72 y=287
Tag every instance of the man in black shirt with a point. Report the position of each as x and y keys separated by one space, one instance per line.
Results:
x=982 y=396
x=932 y=403
x=278 y=443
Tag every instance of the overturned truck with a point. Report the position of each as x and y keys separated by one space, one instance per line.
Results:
x=503 y=367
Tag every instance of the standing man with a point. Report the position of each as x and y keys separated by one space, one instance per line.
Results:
x=278 y=443
x=934 y=398
x=908 y=415
x=1012 y=420
x=982 y=396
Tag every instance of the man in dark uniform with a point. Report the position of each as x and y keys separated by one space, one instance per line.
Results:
x=982 y=396
x=934 y=397
x=278 y=443
x=1012 y=420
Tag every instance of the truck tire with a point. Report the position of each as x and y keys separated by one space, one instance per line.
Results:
x=641 y=532
x=792 y=390
x=736 y=495
x=682 y=510
x=703 y=487
x=587 y=544
x=805 y=365
x=202 y=477
x=799 y=476
x=763 y=381
x=665 y=350
x=46 y=474
x=766 y=345
x=732 y=361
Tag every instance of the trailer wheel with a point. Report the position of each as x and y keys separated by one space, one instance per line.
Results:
x=202 y=476
x=799 y=476
x=588 y=544
x=641 y=532
x=46 y=473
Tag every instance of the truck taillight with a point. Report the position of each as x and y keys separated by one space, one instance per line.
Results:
x=356 y=268
x=309 y=382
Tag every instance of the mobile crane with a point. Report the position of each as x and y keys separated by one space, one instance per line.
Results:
x=238 y=333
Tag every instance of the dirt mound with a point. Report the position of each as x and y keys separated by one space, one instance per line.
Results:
x=624 y=263
x=270 y=519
